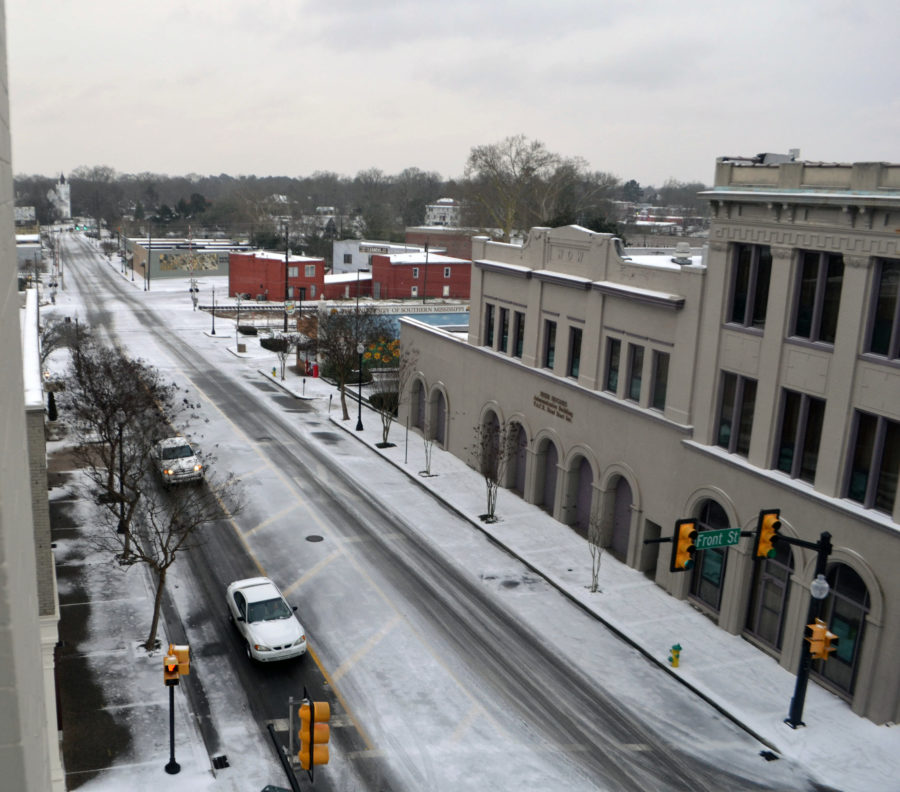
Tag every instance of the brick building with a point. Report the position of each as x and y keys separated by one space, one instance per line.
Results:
x=411 y=275
x=261 y=274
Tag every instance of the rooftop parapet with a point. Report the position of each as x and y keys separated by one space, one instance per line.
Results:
x=757 y=174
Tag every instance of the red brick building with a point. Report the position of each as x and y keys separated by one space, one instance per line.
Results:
x=452 y=241
x=348 y=285
x=260 y=274
x=409 y=275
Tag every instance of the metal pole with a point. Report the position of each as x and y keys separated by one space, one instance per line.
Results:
x=149 y=256
x=359 y=424
x=172 y=767
x=795 y=716
x=214 y=311
x=286 y=256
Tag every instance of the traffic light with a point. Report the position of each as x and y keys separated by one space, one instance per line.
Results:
x=183 y=653
x=314 y=733
x=170 y=669
x=767 y=528
x=820 y=639
x=683 y=547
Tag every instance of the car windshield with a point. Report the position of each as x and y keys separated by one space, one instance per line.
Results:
x=268 y=610
x=177 y=452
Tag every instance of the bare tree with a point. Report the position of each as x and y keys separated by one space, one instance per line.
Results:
x=595 y=538
x=494 y=445
x=339 y=335
x=502 y=175
x=391 y=371
x=120 y=407
x=56 y=333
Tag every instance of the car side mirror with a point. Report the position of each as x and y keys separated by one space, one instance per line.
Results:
x=240 y=618
x=294 y=608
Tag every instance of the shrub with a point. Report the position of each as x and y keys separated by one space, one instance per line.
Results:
x=385 y=401
x=247 y=330
x=276 y=344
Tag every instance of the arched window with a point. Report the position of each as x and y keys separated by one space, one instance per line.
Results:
x=517 y=462
x=548 y=459
x=845 y=613
x=621 y=533
x=708 y=577
x=419 y=405
x=440 y=420
x=768 y=600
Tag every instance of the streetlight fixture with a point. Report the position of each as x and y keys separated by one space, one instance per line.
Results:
x=818 y=591
x=360 y=349
x=213 y=311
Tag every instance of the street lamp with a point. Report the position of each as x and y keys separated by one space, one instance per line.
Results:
x=214 y=311
x=360 y=349
x=818 y=591
x=287 y=253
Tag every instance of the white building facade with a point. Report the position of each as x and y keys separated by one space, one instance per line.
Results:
x=763 y=374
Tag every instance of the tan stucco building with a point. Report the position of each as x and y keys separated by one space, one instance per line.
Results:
x=761 y=372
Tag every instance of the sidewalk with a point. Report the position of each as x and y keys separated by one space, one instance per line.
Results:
x=840 y=749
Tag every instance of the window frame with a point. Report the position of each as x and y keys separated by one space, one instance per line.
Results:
x=548 y=357
x=737 y=419
x=415 y=273
x=573 y=364
x=613 y=365
x=872 y=493
x=504 y=329
x=309 y=270
x=801 y=438
x=293 y=271
x=635 y=372
x=489 y=315
x=819 y=300
x=446 y=272
x=892 y=350
x=518 y=333
x=657 y=403
x=752 y=307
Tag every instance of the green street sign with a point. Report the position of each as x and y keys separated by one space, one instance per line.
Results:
x=707 y=540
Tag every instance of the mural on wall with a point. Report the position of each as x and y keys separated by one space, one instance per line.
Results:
x=189 y=262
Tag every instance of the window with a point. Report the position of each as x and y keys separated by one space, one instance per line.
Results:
x=293 y=272
x=768 y=599
x=415 y=273
x=875 y=462
x=708 y=575
x=518 y=333
x=504 y=329
x=750 y=289
x=660 y=380
x=489 y=324
x=446 y=272
x=549 y=343
x=445 y=291
x=312 y=292
x=574 y=351
x=635 y=370
x=818 y=296
x=310 y=270
x=736 y=413
x=613 y=353
x=801 y=430
x=885 y=337
x=348 y=258
x=414 y=291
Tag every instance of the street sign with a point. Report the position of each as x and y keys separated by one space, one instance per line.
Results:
x=289 y=308
x=706 y=540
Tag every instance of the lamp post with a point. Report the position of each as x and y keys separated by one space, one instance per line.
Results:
x=360 y=349
x=149 y=256
x=237 y=322
x=213 y=311
x=287 y=253
x=818 y=591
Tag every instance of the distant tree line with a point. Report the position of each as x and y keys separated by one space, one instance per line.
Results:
x=510 y=186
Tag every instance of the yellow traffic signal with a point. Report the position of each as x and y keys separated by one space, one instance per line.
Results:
x=170 y=669
x=183 y=653
x=314 y=734
x=820 y=639
x=767 y=528
x=683 y=547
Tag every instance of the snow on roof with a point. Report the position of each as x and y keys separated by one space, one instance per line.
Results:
x=31 y=352
x=268 y=254
x=348 y=277
x=422 y=258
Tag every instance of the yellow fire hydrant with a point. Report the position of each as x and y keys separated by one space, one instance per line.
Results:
x=674 y=654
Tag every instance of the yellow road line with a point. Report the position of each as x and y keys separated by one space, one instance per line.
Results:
x=365 y=648
x=271 y=519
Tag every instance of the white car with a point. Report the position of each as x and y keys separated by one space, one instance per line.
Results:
x=177 y=461
x=265 y=621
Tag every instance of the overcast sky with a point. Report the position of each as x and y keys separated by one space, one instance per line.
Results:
x=645 y=90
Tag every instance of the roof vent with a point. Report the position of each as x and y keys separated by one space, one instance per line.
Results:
x=682 y=254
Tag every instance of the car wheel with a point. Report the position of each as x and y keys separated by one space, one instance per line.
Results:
x=247 y=650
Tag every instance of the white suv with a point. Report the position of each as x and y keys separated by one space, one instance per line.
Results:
x=177 y=461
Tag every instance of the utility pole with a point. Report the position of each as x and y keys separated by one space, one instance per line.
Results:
x=287 y=254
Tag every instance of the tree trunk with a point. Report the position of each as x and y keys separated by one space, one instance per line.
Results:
x=344 y=402
x=157 y=606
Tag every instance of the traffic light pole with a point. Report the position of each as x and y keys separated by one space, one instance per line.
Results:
x=172 y=767
x=823 y=549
